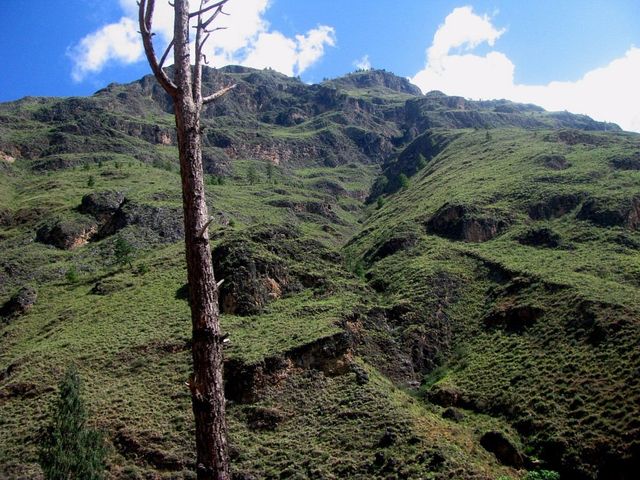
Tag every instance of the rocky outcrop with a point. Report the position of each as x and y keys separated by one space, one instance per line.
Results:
x=251 y=280
x=68 y=233
x=512 y=318
x=20 y=303
x=466 y=223
x=626 y=163
x=317 y=208
x=607 y=214
x=553 y=161
x=504 y=450
x=164 y=222
x=391 y=246
x=102 y=205
x=245 y=382
x=114 y=212
x=554 y=206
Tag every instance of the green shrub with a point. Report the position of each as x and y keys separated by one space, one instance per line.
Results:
x=403 y=180
x=72 y=275
x=379 y=203
x=69 y=449
x=91 y=181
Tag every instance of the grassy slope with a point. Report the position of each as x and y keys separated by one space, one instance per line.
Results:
x=569 y=385
x=130 y=344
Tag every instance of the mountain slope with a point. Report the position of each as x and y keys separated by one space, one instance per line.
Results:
x=477 y=319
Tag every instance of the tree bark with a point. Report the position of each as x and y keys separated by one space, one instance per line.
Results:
x=206 y=383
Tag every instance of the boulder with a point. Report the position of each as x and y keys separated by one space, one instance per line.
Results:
x=68 y=233
x=467 y=223
x=102 y=205
x=20 y=303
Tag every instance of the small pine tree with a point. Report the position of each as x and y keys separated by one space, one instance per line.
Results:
x=91 y=181
x=404 y=181
x=380 y=203
x=123 y=251
x=69 y=449
x=252 y=175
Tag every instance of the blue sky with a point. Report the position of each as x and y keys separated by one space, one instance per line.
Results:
x=578 y=55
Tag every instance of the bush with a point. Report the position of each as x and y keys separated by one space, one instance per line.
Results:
x=404 y=181
x=72 y=275
x=380 y=203
x=91 y=181
x=69 y=449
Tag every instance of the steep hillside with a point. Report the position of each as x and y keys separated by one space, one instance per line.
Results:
x=416 y=286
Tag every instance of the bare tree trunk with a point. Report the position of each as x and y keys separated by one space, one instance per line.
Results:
x=206 y=384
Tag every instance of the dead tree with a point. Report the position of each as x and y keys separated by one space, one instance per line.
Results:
x=185 y=88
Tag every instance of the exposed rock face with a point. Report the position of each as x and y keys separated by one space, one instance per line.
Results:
x=20 y=303
x=554 y=207
x=330 y=355
x=392 y=246
x=114 y=212
x=165 y=222
x=68 y=233
x=250 y=280
x=540 y=237
x=625 y=214
x=502 y=448
x=318 y=208
x=462 y=222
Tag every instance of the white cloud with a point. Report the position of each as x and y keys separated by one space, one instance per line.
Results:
x=363 y=63
x=608 y=93
x=117 y=41
x=462 y=28
x=246 y=40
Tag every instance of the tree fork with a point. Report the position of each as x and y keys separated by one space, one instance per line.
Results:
x=206 y=383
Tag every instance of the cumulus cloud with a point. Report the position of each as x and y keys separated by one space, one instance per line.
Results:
x=363 y=63
x=115 y=42
x=608 y=93
x=246 y=40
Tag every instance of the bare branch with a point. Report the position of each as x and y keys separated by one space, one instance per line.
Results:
x=218 y=94
x=166 y=52
x=145 y=19
x=207 y=9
